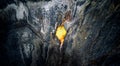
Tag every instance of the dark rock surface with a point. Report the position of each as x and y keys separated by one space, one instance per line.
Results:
x=27 y=33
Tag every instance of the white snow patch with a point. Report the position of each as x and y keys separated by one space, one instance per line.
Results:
x=46 y=26
x=20 y=10
x=48 y=5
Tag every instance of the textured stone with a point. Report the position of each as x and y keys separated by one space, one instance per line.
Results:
x=28 y=29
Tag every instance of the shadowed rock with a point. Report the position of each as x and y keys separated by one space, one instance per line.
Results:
x=27 y=32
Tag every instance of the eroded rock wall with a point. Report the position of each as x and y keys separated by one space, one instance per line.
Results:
x=29 y=39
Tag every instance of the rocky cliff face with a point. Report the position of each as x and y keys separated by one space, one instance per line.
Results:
x=27 y=32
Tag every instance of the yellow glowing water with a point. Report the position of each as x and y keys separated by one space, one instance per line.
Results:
x=61 y=33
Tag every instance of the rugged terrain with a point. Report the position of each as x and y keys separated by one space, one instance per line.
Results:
x=27 y=33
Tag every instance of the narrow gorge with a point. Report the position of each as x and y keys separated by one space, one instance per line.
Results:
x=60 y=33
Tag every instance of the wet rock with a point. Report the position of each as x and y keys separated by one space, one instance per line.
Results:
x=28 y=33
